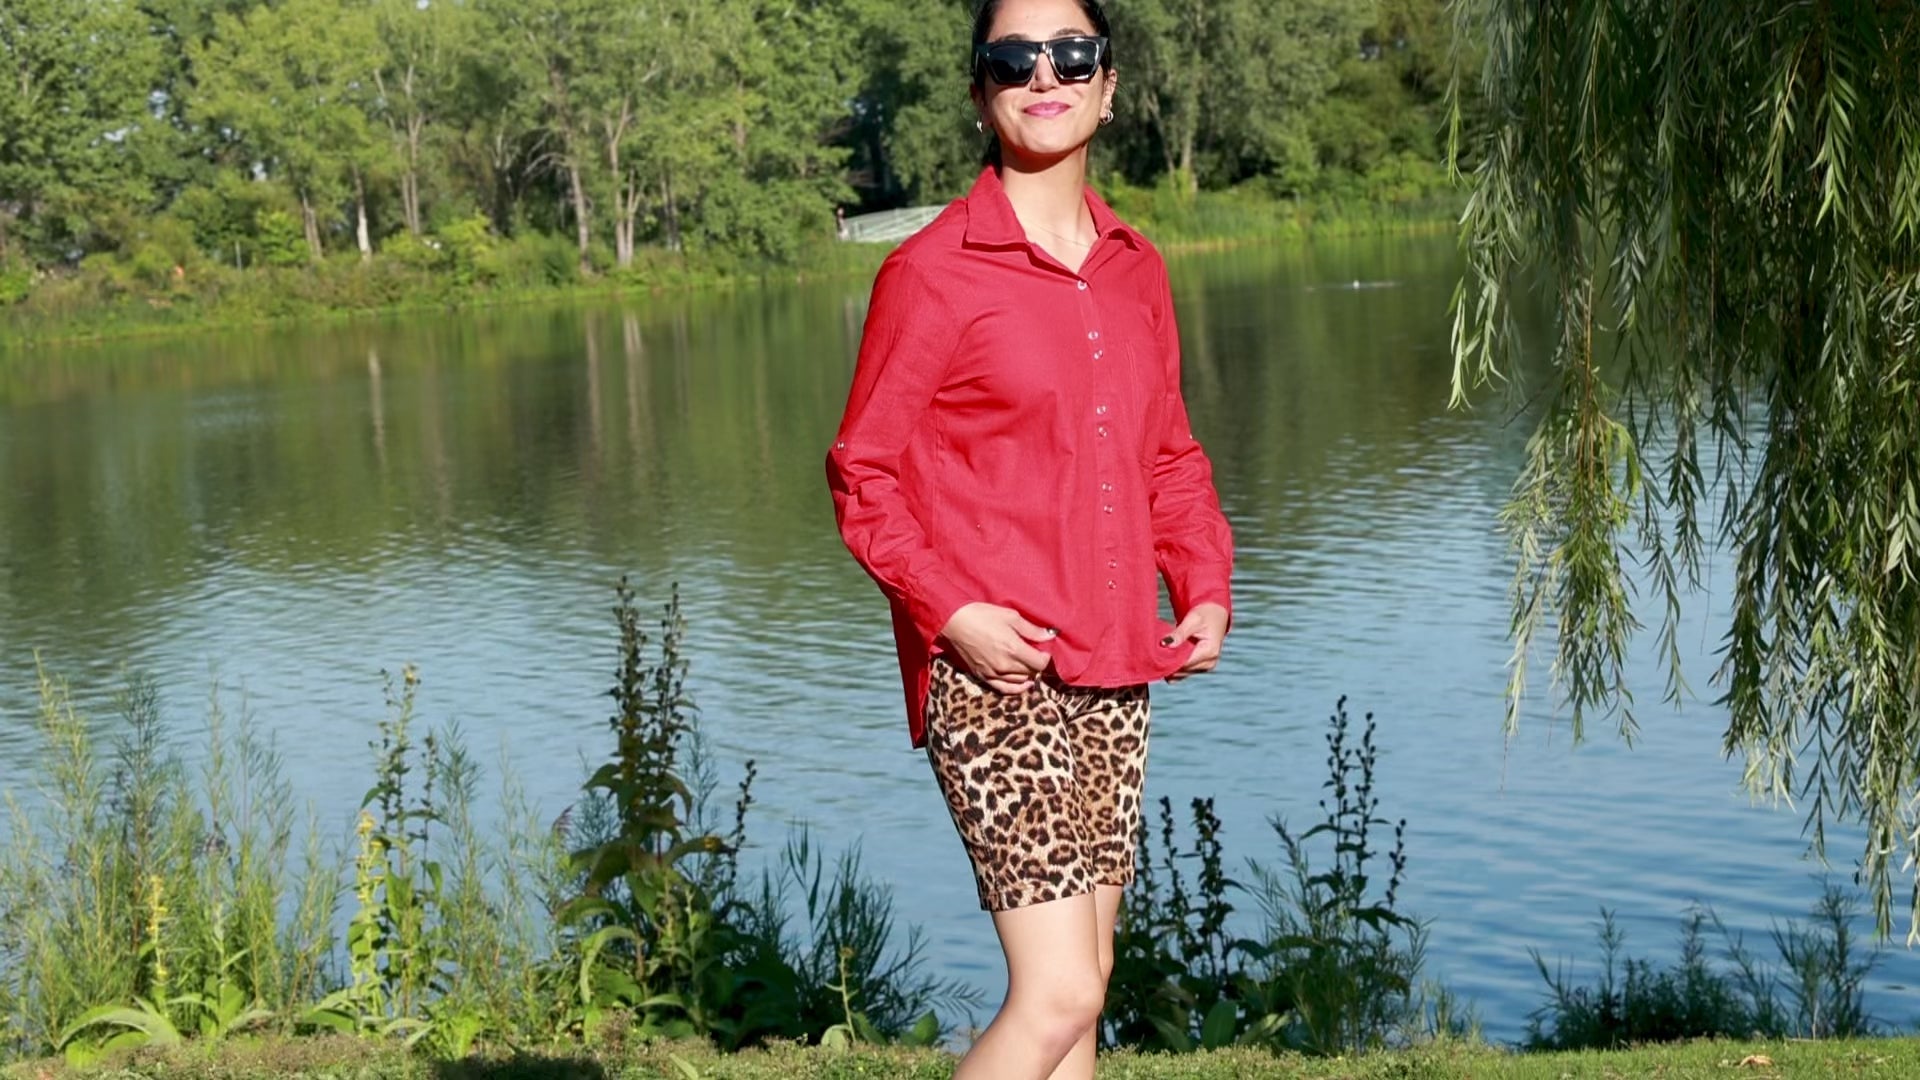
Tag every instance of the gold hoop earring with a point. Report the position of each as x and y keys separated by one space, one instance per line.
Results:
x=1106 y=118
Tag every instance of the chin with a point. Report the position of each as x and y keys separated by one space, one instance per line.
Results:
x=1044 y=151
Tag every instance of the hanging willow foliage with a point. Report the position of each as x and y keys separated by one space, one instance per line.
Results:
x=1724 y=202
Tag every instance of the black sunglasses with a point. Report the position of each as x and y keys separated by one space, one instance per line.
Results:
x=1011 y=63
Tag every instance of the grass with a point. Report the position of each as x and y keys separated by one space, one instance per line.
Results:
x=353 y=1059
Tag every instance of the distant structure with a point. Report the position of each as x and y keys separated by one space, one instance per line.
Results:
x=888 y=226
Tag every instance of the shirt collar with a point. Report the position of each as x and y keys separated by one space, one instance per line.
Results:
x=991 y=221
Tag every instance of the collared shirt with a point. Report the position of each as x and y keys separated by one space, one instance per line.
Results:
x=1016 y=435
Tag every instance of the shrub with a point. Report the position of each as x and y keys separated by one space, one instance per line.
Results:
x=1336 y=966
x=1816 y=991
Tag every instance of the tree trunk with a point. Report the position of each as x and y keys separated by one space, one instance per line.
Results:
x=583 y=227
x=616 y=131
x=1189 y=178
x=623 y=241
x=360 y=232
x=311 y=225
x=410 y=183
x=670 y=211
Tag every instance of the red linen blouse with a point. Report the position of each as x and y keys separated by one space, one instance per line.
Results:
x=1015 y=435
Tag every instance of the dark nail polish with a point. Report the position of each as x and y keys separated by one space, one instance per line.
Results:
x=1166 y=641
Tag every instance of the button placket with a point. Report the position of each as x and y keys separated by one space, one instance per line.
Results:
x=1105 y=466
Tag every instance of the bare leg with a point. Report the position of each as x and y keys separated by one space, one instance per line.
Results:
x=1054 y=991
x=1078 y=1065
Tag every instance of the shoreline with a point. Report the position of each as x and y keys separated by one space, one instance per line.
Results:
x=136 y=318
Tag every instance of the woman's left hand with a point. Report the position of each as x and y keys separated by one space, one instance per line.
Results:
x=1206 y=627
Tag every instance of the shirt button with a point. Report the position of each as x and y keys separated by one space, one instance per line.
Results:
x=1103 y=431
x=1113 y=564
x=1093 y=335
x=1098 y=353
x=1111 y=585
x=1100 y=411
x=1083 y=286
x=1106 y=487
x=1108 y=508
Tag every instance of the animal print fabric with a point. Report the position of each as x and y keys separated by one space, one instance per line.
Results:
x=1044 y=787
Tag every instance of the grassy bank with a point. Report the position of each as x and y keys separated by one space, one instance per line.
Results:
x=341 y=1059
x=173 y=292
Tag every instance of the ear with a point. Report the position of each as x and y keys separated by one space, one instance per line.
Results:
x=1113 y=85
x=979 y=103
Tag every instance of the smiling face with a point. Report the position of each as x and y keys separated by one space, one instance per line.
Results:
x=1046 y=119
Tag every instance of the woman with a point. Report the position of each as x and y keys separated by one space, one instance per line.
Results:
x=1014 y=466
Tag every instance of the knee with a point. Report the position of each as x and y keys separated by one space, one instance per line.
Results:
x=1067 y=1005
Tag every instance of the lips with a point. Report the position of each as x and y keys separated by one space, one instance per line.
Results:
x=1047 y=109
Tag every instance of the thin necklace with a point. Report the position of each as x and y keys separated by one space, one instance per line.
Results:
x=1068 y=239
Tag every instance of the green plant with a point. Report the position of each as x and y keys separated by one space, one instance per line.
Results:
x=393 y=943
x=1816 y=991
x=841 y=979
x=280 y=239
x=139 y=900
x=1336 y=968
x=1337 y=949
x=650 y=936
x=1173 y=984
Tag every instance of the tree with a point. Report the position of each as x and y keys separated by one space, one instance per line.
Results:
x=75 y=77
x=1723 y=201
x=416 y=81
x=290 y=84
x=552 y=43
x=1227 y=87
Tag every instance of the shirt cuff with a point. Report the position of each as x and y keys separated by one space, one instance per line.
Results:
x=931 y=604
x=1196 y=587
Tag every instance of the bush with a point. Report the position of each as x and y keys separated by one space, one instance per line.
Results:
x=1336 y=966
x=144 y=904
x=281 y=239
x=1816 y=992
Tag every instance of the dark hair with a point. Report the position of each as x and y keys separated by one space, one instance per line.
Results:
x=983 y=17
x=983 y=24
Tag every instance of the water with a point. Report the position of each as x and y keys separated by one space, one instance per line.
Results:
x=291 y=512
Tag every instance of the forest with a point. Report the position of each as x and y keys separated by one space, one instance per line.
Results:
x=156 y=144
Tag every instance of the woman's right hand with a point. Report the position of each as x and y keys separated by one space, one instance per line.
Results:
x=998 y=646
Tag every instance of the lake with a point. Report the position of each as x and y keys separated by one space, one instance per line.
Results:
x=292 y=511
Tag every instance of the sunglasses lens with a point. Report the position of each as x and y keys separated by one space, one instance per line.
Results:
x=1076 y=59
x=1011 y=63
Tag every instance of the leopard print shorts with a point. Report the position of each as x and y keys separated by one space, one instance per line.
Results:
x=1044 y=787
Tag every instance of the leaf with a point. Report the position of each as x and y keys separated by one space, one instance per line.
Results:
x=1175 y=1037
x=1218 y=1028
x=144 y=1019
x=925 y=1033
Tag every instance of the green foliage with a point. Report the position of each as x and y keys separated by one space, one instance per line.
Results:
x=143 y=906
x=280 y=242
x=1721 y=204
x=842 y=980
x=665 y=141
x=1335 y=968
x=1815 y=992
x=139 y=901
x=16 y=280
x=1337 y=948
x=395 y=933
